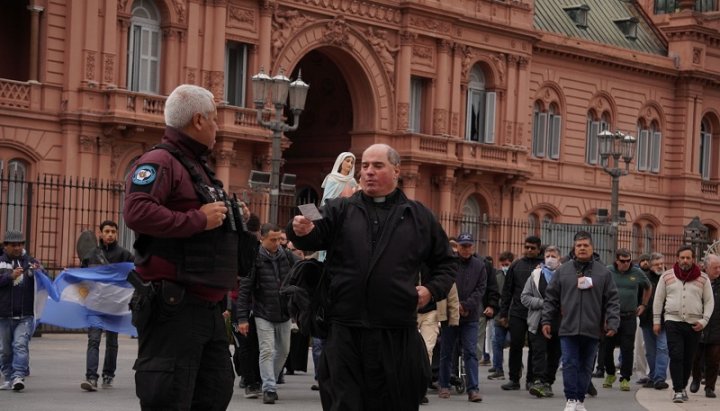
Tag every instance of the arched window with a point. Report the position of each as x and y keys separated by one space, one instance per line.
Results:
x=533 y=224
x=471 y=217
x=16 y=195
x=649 y=239
x=649 y=141
x=705 y=149
x=594 y=127
x=480 y=117
x=636 y=239
x=547 y=127
x=144 y=48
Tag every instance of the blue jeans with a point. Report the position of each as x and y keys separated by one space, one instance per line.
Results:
x=274 y=344
x=468 y=333
x=317 y=346
x=500 y=336
x=656 y=353
x=578 y=357
x=93 y=353
x=15 y=336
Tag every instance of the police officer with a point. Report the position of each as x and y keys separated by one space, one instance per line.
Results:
x=186 y=261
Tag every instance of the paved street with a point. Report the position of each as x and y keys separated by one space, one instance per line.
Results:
x=58 y=366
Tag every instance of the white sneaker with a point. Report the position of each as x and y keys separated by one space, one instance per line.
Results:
x=571 y=405
x=6 y=385
x=18 y=384
x=580 y=406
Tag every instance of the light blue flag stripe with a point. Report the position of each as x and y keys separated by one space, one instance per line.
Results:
x=92 y=297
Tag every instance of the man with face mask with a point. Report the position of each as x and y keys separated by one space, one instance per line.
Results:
x=546 y=352
x=656 y=349
x=629 y=280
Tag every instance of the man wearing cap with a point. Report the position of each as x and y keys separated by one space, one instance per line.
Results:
x=471 y=280
x=17 y=303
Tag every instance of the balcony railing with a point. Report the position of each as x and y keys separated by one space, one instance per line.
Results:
x=709 y=187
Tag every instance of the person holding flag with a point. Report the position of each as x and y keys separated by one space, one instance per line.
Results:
x=107 y=251
x=21 y=277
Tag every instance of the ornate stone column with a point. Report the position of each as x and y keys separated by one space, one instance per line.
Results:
x=34 y=41
x=442 y=96
x=402 y=80
x=265 y=46
x=224 y=156
x=409 y=176
x=446 y=183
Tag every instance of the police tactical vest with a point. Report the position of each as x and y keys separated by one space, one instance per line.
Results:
x=209 y=258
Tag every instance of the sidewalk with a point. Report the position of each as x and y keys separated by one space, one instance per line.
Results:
x=57 y=363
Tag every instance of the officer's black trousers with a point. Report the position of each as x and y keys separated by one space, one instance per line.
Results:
x=183 y=358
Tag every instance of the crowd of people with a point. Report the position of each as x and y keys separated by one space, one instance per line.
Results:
x=406 y=318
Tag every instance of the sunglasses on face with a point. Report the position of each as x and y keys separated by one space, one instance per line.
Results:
x=531 y=247
x=624 y=261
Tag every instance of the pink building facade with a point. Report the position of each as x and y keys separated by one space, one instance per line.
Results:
x=493 y=105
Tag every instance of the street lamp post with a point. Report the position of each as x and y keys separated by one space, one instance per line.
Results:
x=613 y=146
x=278 y=88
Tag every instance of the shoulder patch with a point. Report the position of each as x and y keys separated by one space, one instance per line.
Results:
x=145 y=174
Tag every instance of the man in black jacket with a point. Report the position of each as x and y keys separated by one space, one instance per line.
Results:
x=377 y=240
x=514 y=314
x=108 y=251
x=269 y=307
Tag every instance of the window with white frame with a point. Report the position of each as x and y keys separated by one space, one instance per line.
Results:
x=546 y=129
x=594 y=127
x=649 y=146
x=480 y=116
x=235 y=69
x=415 y=116
x=16 y=195
x=144 y=48
x=705 y=149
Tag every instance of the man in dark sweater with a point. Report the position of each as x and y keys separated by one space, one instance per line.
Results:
x=513 y=313
x=471 y=280
x=108 y=251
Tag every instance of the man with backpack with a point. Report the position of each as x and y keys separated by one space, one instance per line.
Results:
x=269 y=307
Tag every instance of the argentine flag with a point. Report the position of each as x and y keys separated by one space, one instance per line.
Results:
x=92 y=297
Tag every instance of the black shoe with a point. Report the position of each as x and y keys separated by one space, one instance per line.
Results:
x=269 y=397
x=315 y=387
x=511 y=386
x=710 y=393
x=592 y=391
x=661 y=385
x=281 y=379
x=649 y=384
x=491 y=370
x=599 y=373
x=694 y=386
x=424 y=400
x=643 y=381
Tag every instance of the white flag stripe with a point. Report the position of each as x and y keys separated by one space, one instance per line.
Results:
x=98 y=296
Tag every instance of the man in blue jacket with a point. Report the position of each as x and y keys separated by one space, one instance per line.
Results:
x=471 y=280
x=582 y=293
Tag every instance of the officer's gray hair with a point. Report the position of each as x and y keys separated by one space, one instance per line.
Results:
x=656 y=256
x=184 y=102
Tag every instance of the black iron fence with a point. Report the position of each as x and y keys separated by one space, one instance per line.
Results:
x=53 y=210
x=494 y=236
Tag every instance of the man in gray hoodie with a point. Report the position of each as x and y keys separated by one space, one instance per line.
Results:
x=583 y=294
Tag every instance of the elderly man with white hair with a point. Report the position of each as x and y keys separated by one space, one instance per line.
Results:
x=186 y=262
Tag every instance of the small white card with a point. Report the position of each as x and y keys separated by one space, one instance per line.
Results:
x=310 y=211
